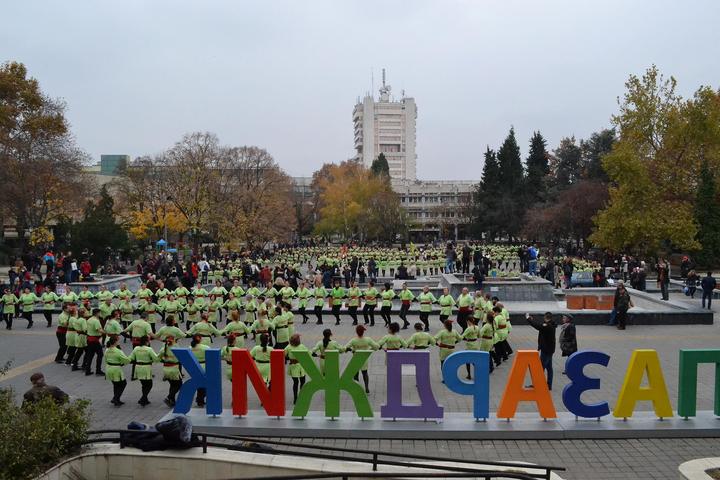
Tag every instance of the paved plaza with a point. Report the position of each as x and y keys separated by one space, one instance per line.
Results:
x=33 y=350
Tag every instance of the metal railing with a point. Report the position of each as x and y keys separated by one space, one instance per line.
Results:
x=476 y=469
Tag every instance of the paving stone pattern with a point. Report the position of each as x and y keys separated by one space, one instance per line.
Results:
x=596 y=459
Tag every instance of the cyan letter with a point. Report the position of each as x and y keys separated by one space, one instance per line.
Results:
x=479 y=388
x=209 y=378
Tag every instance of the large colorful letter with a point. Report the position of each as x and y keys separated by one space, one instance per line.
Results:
x=428 y=407
x=687 y=383
x=515 y=392
x=209 y=378
x=632 y=391
x=332 y=383
x=273 y=399
x=478 y=388
x=580 y=383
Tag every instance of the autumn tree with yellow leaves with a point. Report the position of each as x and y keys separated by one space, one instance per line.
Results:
x=656 y=166
x=354 y=203
x=198 y=187
x=42 y=178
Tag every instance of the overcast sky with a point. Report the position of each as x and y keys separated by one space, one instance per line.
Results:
x=285 y=75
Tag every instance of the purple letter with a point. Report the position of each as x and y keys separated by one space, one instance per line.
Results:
x=428 y=407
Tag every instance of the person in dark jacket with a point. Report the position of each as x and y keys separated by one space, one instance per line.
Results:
x=40 y=389
x=478 y=276
x=622 y=303
x=663 y=277
x=546 y=342
x=708 y=284
x=567 y=337
x=466 y=251
x=567 y=269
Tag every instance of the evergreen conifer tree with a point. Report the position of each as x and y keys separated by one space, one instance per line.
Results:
x=538 y=169
x=380 y=166
x=707 y=215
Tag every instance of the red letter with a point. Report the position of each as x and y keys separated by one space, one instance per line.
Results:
x=515 y=392
x=273 y=399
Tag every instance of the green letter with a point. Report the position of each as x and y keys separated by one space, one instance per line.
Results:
x=687 y=383
x=332 y=382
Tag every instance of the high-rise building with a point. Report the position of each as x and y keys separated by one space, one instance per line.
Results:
x=437 y=208
x=387 y=126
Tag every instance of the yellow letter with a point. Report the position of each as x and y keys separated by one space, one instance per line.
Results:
x=655 y=392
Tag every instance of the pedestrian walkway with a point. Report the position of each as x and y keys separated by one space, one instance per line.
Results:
x=30 y=350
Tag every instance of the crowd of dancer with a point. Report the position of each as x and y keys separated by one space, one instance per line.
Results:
x=92 y=328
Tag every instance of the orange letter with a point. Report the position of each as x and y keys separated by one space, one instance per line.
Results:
x=515 y=392
x=273 y=400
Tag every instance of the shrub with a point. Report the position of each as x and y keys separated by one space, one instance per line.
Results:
x=37 y=436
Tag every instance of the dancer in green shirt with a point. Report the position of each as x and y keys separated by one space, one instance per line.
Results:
x=336 y=297
x=48 y=299
x=171 y=370
x=387 y=296
x=471 y=335
x=446 y=339
x=361 y=342
x=261 y=354
x=370 y=295
x=114 y=361
x=303 y=294
x=392 y=341
x=9 y=301
x=420 y=340
x=406 y=298
x=446 y=302
x=27 y=300
x=295 y=370
x=426 y=299
x=319 y=293
x=142 y=358
x=323 y=346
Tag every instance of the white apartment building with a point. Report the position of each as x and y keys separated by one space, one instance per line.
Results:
x=387 y=126
x=437 y=208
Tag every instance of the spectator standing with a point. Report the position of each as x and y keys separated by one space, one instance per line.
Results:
x=533 y=254
x=686 y=266
x=449 y=258
x=372 y=269
x=567 y=337
x=708 y=285
x=622 y=303
x=204 y=267
x=663 y=277
x=691 y=283
x=546 y=342
x=550 y=270
x=466 y=258
x=567 y=269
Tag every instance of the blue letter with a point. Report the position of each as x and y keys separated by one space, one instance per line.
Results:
x=581 y=383
x=209 y=378
x=480 y=388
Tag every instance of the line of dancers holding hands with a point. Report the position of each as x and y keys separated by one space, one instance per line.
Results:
x=484 y=324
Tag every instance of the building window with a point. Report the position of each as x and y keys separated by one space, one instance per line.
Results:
x=389 y=148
